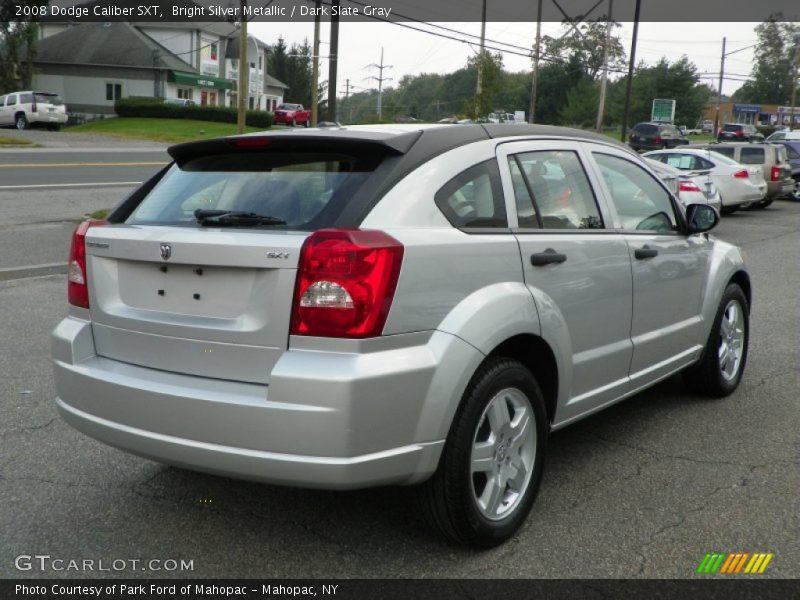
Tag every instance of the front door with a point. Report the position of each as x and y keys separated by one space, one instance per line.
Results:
x=669 y=268
x=577 y=269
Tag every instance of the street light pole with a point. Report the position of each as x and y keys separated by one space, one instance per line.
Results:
x=536 y=55
x=629 y=83
x=794 y=79
x=604 y=82
x=719 y=90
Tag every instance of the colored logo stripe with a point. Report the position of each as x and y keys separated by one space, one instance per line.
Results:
x=734 y=562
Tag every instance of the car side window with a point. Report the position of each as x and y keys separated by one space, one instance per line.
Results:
x=2 y=101
x=641 y=203
x=25 y=98
x=684 y=162
x=729 y=152
x=791 y=152
x=752 y=156
x=558 y=191
x=12 y=100
x=702 y=163
x=474 y=198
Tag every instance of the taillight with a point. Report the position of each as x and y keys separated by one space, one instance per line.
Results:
x=743 y=174
x=739 y=133
x=689 y=186
x=33 y=106
x=77 y=285
x=775 y=174
x=658 y=140
x=345 y=283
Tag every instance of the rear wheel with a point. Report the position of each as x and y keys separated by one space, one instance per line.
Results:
x=795 y=194
x=21 y=121
x=491 y=465
x=54 y=127
x=720 y=369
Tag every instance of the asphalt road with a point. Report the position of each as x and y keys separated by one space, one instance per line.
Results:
x=643 y=489
x=55 y=168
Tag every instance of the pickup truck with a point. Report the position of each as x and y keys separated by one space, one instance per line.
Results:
x=292 y=114
x=686 y=131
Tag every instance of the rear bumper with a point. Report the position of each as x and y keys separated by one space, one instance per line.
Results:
x=332 y=420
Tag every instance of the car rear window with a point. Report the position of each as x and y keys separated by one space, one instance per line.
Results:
x=646 y=128
x=307 y=190
x=752 y=156
x=731 y=127
x=53 y=99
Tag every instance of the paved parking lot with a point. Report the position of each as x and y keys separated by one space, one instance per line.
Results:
x=644 y=489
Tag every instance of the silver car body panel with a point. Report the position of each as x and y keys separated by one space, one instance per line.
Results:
x=337 y=413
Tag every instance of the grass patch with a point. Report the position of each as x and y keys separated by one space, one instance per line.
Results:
x=158 y=130
x=98 y=214
x=10 y=141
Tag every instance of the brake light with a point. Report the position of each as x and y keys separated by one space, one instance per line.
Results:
x=345 y=283
x=743 y=174
x=252 y=142
x=739 y=133
x=689 y=186
x=775 y=173
x=77 y=283
x=658 y=140
x=33 y=106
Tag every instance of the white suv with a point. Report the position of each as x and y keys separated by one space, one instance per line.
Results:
x=23 y=109
x=361 y=306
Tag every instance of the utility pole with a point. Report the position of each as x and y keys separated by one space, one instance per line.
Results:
x=636 y=14
x=243 y=85
x=794 y=79
x=604 y=81
x=719 y=89
x=332 y=60
x=536 y=56
x=380 y=79
x=347 y=94
x=315 y=64
x=479 y=86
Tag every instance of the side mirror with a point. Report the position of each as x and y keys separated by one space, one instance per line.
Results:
x=701 y=217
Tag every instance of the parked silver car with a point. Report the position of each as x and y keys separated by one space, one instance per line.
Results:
x=364 y=306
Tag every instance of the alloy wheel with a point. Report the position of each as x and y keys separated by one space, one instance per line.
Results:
x=731 y=343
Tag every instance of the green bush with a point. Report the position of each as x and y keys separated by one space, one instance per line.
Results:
x=154 y=108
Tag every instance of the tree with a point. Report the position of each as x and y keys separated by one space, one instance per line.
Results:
x=584 y=48
x=581 y=106
x=490 y=66
x=772 y=67
x=17 y=48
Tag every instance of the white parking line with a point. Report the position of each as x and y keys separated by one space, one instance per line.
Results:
x=61 y=185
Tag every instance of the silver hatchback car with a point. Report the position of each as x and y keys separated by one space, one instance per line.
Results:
x=364 y=306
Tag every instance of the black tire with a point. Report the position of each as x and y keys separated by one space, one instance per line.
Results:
x=21 y=122
x=54 y=127
x=795 y=194
x=759 y=205
x=307 y=123
x=449 y=498
x=726 y=210
x=293 y=123
x=706 y=377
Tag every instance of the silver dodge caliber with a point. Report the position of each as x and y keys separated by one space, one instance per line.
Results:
x=364 y=306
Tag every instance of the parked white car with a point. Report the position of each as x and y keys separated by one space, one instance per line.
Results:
x=784 y=135
x=738 y=184
x=689 y=188
x=23 y=109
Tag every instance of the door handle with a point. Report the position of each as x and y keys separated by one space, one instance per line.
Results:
x=645 y=252
x=547 y=257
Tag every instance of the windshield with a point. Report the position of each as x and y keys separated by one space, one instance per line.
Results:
x=306 y=190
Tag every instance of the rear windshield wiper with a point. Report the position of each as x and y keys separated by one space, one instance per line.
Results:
x=232 y=217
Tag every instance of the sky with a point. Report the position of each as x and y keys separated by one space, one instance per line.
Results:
x=413 y=52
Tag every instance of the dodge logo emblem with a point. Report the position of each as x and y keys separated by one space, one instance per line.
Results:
x=166 y=251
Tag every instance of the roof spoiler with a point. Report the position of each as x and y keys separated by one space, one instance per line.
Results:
x=339 y=141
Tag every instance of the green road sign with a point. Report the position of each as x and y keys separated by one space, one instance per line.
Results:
x=663 y=110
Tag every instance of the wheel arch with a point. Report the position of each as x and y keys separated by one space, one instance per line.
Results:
x=537 y=356
x=742 y=279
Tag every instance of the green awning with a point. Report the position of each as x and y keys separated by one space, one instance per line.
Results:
x=198 y=80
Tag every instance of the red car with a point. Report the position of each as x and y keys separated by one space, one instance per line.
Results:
x=292 y=114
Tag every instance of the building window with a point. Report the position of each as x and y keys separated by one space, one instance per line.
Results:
x=113 y=91
x=185 y=93
x=213 y=52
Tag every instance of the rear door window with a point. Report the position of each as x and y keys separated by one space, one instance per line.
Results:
x=307 y=190
x=684 y=162
x=25 y=98
x=474 y=199
x=752 y=156
x=556 y=190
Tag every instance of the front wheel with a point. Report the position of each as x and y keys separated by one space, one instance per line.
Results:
x=491 y=465
x=293 y=123
x=795 y=194
x=720 y=368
